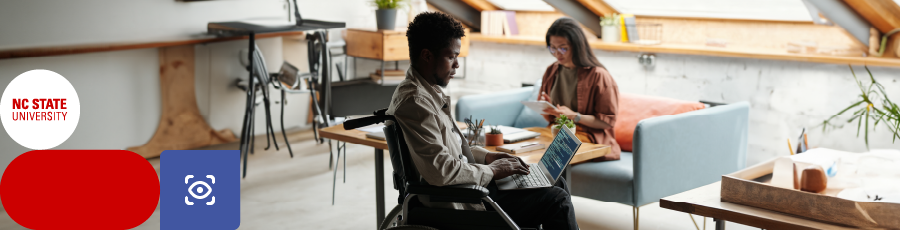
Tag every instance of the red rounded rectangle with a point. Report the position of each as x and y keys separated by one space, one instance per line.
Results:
x=79 y=189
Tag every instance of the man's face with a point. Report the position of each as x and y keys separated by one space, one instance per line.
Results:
x=445 y=63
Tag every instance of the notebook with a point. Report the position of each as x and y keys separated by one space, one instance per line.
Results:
x=520 y=147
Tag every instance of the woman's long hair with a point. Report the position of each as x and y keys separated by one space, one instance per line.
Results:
x=582 y=55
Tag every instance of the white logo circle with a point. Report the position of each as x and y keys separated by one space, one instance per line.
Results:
x=39 y=109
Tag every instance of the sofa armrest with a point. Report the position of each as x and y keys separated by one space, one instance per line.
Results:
x=676 y=153
x=500 y=108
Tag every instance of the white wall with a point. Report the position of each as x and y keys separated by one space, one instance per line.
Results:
x=784 y=95
x=30 y=23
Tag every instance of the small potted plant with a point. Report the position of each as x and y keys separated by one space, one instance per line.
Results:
x=494 y=138
x=560 y=121
x=610 y=28
x=386 y=14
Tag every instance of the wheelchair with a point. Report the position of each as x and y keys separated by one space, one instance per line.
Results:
x=412 y=214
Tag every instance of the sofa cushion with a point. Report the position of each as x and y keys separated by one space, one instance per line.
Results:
x=500 y=108
x=530 y=118
x=633 y=108
x=610 y=181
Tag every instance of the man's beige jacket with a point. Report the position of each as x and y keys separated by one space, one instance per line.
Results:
x=435 y=142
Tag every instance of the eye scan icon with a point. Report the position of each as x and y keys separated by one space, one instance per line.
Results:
x=199 y=190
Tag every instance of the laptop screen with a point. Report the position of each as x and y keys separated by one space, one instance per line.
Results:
x=558 y=154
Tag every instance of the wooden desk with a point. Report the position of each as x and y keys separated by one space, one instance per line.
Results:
x=586 y=152
x=337 y=132
x=706 y=201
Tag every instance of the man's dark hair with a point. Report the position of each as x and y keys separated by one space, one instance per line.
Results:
x=432 y=31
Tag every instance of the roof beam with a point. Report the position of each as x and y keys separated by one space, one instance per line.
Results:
x=599 y=7
x=481 y=5
x=579 y=12
x=466 y=14
x=883 y=14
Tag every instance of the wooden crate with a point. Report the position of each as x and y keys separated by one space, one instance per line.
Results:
x=742 y=187
x=386 y=45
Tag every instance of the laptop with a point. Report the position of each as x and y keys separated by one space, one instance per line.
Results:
x=547 y=171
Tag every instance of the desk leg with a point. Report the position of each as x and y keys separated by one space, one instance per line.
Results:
x=180 y=124
x=379 y=186
x=720 y=224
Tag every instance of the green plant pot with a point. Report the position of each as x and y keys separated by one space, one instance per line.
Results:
x=386 y=18
x=493 y=139
x=554 y=130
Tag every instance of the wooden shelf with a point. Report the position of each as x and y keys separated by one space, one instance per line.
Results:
x=89 y=48
x=701 y=50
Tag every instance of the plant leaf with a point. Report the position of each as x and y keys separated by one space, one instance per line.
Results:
x=867 y=131
x=850 y=107
x=858 y=126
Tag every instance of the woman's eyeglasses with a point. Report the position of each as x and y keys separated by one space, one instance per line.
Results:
x=560 y=50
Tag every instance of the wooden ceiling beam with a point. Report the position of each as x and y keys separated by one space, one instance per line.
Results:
x=599 y=7
x=883 y=14
x=481 y=5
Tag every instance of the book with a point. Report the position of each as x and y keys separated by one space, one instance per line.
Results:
x=520 y=147
x=511 y=23
x=623 y=32
x=631 y=28
x=505 y=23
x=499 y=22
x=485 y=22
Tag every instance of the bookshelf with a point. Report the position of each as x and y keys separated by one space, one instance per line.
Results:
x=770 y=54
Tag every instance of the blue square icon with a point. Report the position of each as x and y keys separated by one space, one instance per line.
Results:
x=200 y=189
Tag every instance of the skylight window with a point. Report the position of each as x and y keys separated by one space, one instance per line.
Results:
x=779 y=10
x=522 y=5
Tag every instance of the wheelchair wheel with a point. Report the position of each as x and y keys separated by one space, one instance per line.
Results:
x=392 y=220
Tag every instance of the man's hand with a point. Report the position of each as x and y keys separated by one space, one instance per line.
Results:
x=492 y=156
x=505 y=167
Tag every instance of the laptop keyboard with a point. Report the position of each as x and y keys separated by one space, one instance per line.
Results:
x=533 y=179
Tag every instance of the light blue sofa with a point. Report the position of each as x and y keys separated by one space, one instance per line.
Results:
x=672 y=154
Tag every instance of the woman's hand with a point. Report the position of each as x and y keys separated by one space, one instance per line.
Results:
x=561 y=110
x=544 y=97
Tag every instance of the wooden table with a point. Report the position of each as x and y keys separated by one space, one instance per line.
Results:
x=337 y=132
x=706 y=201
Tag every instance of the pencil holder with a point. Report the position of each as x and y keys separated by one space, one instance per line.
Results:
x=476 y=137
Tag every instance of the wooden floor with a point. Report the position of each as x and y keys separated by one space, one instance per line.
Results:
x=295 y=193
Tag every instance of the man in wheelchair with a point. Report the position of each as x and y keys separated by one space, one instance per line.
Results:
x=436 y=145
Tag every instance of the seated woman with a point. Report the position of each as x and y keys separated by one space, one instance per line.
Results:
x=580 y=87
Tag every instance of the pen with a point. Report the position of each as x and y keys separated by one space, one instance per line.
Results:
x=789 y=146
